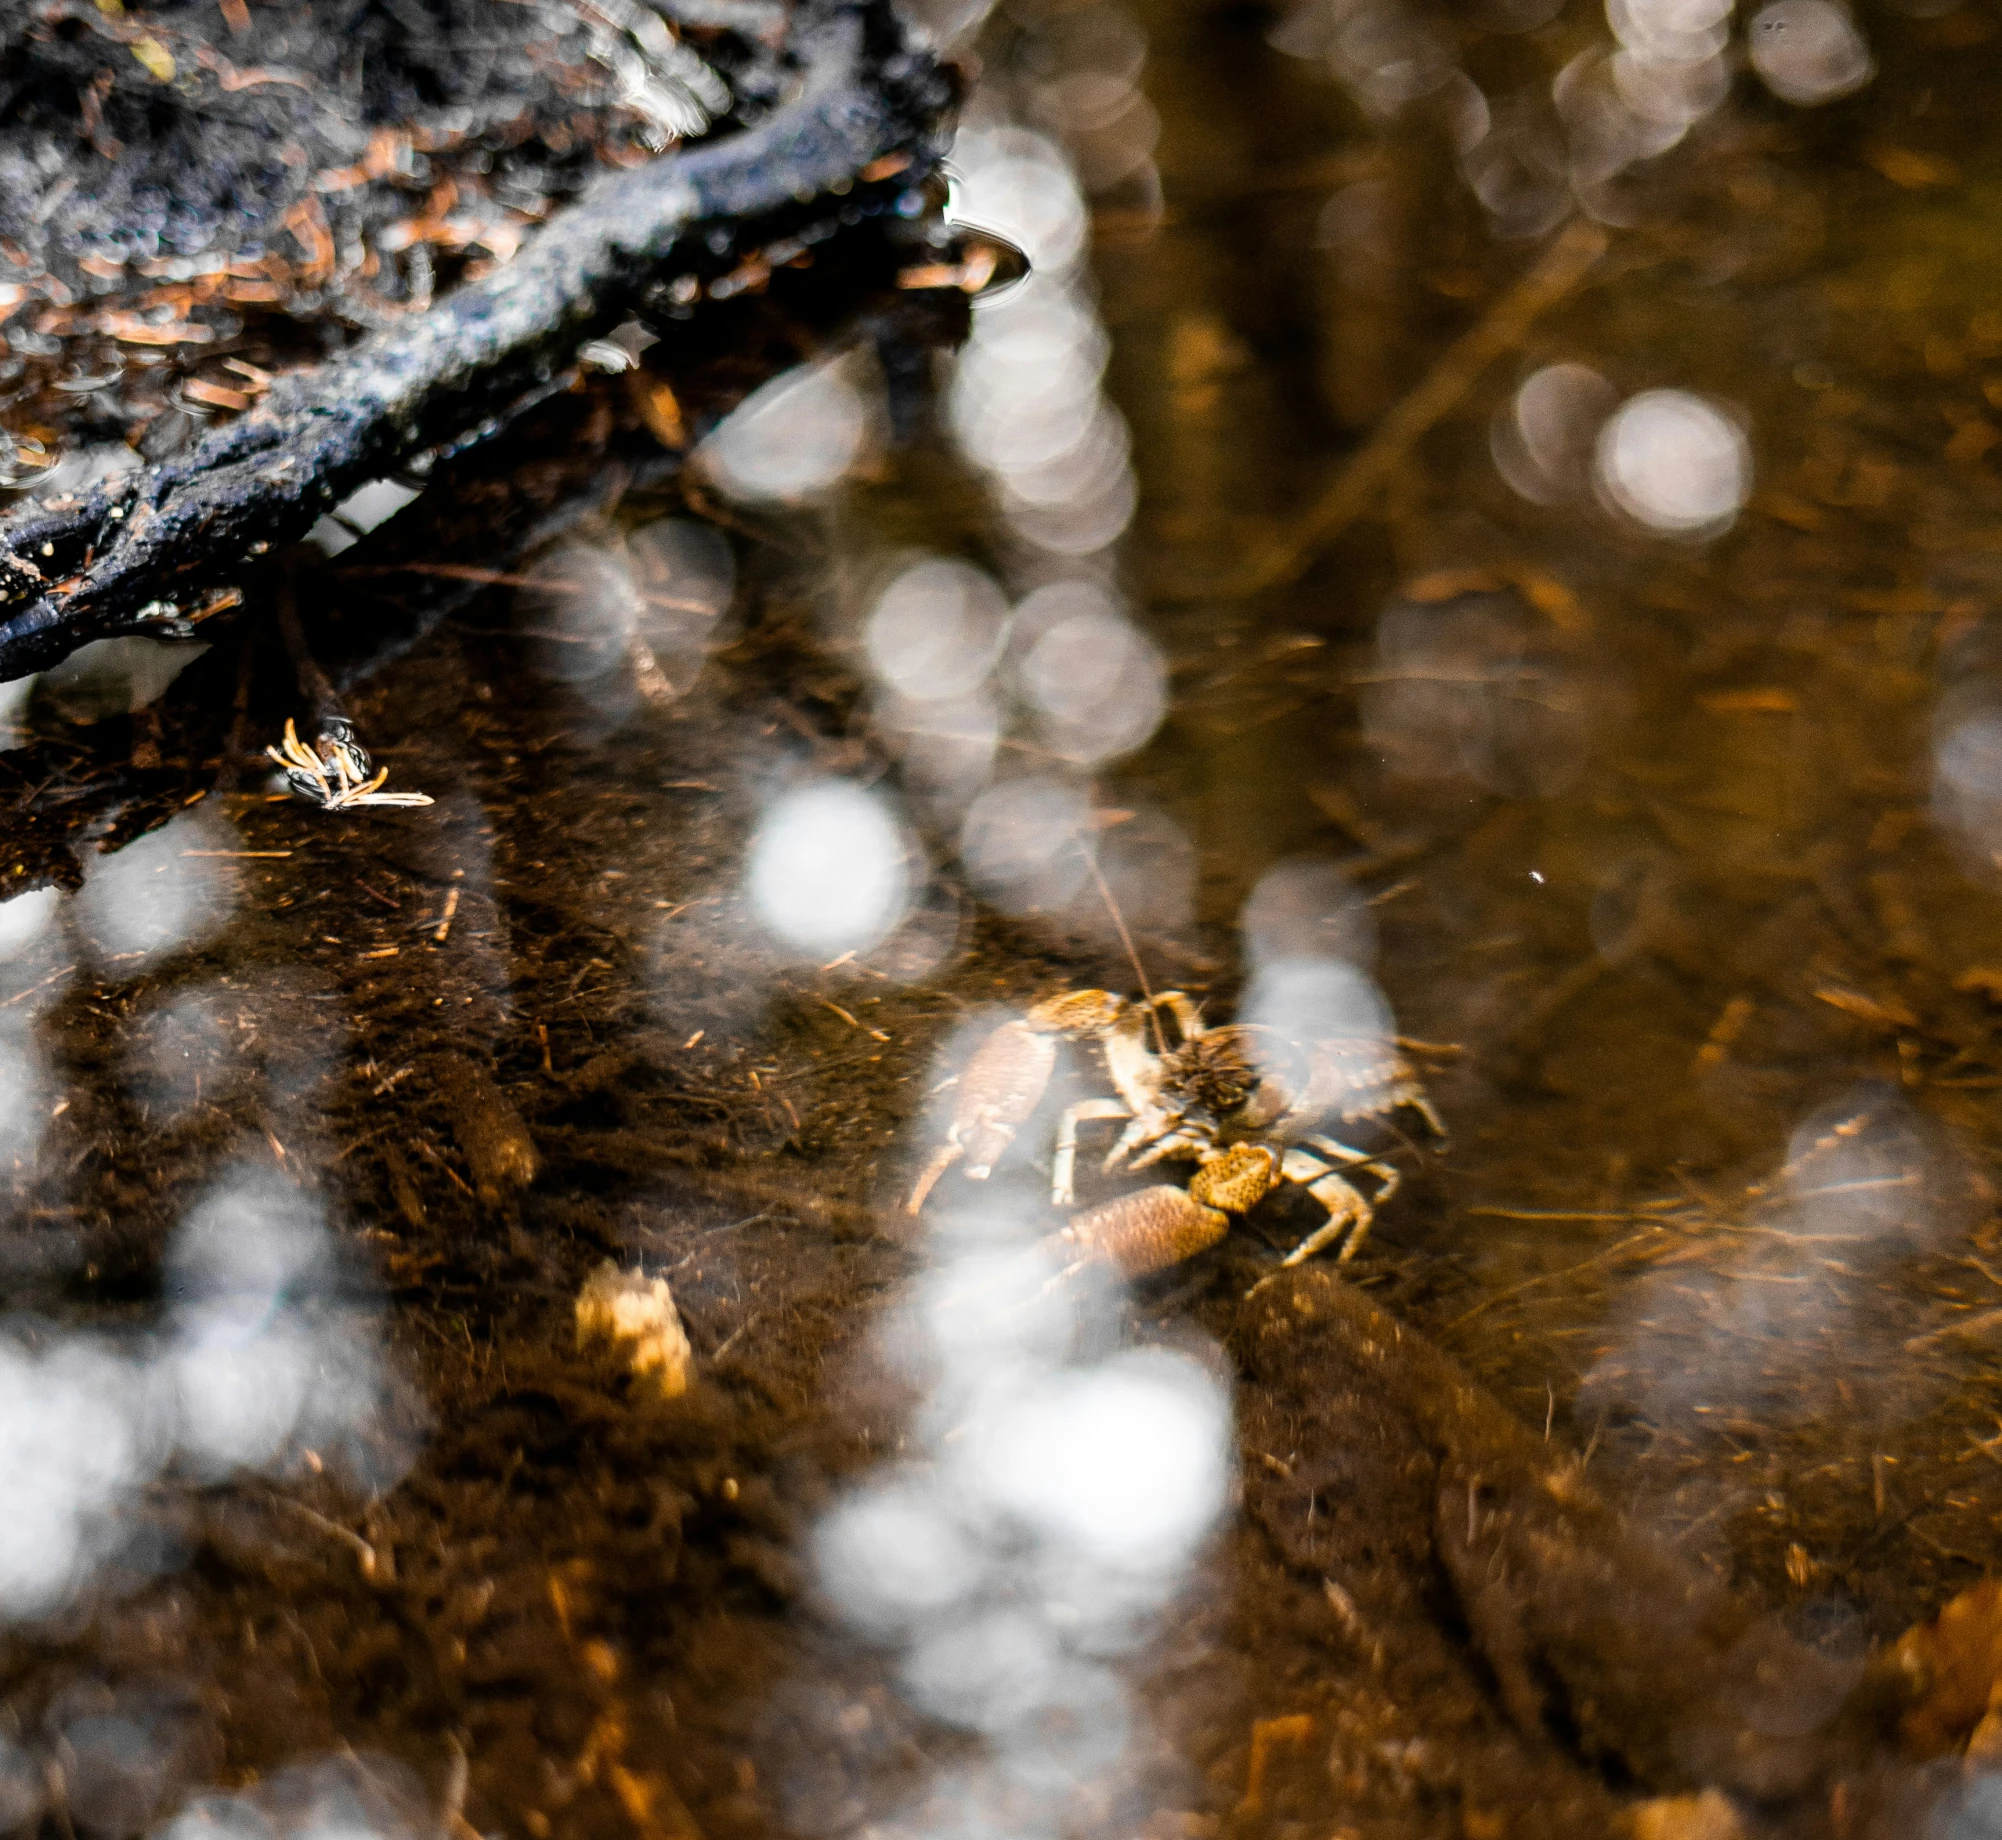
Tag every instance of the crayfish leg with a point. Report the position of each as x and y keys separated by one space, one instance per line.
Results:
x=943 y=1159
x=1348 y=1214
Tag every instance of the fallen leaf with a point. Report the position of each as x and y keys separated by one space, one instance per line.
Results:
x=1750 y=702
x=1911 y=170
x=1889 y=1014
x=1952 y=1665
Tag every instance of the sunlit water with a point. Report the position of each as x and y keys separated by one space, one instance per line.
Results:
x=1637 y=733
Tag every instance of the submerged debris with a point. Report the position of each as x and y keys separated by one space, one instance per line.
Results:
x=1708 y=1816
x=168 y=172
x=334 y=773
x=488 y=1129
x=637 y=1315
x=1952 y=1668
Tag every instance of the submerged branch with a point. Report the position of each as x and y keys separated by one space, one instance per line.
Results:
x=1552 y=278
x=1596 y=1633
x=144 y=552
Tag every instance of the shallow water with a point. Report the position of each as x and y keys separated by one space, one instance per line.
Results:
x=1520 y=583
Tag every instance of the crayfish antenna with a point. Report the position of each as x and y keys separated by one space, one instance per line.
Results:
x=1105 y=894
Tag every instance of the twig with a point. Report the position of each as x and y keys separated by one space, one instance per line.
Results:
x=730 y=1341
x=1588 y=1623
x=1502 y=1213
x=378 y=1566
x=1548 y=1277
x=1968 y=1325
x=237 y=752
x=323 y=705
x=452 y=1822
x=21 y=996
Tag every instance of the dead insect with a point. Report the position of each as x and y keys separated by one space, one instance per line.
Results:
x=334 y=772
x=1010 y=1071
x=1246 y=1084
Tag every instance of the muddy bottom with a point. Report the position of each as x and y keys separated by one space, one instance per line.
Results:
x=1592 y=1493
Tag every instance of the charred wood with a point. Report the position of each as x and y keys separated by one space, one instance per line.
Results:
x=153 y=551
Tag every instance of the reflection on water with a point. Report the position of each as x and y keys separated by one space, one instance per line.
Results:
x=1047 y=1517
x=13 y=711
x=25 y=918
x=169 y=891
x=1632 y=724
x=1025 y=400
x=827 y=871
x=793 y=440
x=253 y=1367
x=349 y=1797
x=111 y=677
x=1677 y=463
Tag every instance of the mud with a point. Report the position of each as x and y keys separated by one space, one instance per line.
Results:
x=1659 y=1401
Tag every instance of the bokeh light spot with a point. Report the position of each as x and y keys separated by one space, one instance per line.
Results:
x=793 y=440
x=580 y=609
x=894 y=1558
x=1675 y=462
x=828 y=869
x=1809 y=51
x=1127 y=1460
x=934 y=631
x=1022 y=842
x=24 y=919
x=1098 y=685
